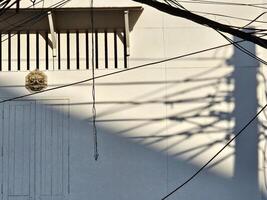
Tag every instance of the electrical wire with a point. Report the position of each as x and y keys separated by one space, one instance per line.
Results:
x=244 y=50
x=209 y=23
x=224 y=2
x=177 y=4
x=258 y=5
x=232 y=42
x=228 y=16
x=215 y=155
x=254 y=20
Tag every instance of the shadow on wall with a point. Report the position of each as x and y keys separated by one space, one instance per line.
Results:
x=139 y=158
x=246 y=101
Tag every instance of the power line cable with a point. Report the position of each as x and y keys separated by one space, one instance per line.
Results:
x=176 y=2
x=258 y=5
x=254 y=20
x=244 y=50
x=249 y=53
x=213 y=157
x=228 y=16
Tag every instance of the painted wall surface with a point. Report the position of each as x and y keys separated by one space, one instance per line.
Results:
x=157 y=125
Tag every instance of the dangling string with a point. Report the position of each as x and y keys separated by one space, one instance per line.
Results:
x=93 y=86
x=33 y=2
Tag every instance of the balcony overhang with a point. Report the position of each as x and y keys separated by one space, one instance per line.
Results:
x=69 y=19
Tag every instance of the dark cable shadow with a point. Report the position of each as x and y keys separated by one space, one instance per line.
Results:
x=245 y=98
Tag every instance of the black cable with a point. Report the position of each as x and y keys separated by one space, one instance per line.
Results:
x=224 y=3
x=254 y=19
x=210 y=160
x=231 y=41
x=177 y=4
x=238 y=46
x=173 y=2
x=244 y=50
x=227 y=16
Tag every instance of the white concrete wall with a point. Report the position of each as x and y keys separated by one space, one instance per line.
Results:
x=157 y=125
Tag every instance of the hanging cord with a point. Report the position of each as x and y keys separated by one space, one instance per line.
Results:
x=93 y=85
x=33 y=2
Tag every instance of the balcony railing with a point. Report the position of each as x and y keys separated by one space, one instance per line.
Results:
x=26 y=41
